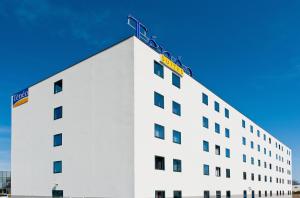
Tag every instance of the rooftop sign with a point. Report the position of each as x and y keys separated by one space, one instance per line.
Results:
x=141 y=33
x=170 y=64
x=20 y=98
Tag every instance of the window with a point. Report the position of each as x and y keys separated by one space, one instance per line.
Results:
x=176 y=165
x=58 y=86
x=266 y=193
x=159 y=131
x=176 y=108
x=177 y=194
x=204 y=99
x=57 y=194
x=252 y=160
x=57 y=167
x=158 y=69
x=217 y=106
x=265 y=151
x=205 y=122
x=218 y=194
x=205 y=169
x=58 y=112
x=176 y=137
x=159 y=163
x=217 y=128
x=244 y=158
x=243 y=124
x=251 y=128
x=160 y=194
x=218 y=171
x=259 y=193
x=159 y=100
x=258 y=133
x=266 y=178
x=259 y=177
x=227 y=173
x=205 y=146
x=258 y=148
x=245 y=194
x=206 y=194
x=175 y=80
x=252 y=144
x=227 y=151
x=57 y=140
x=227 y=133
x=253 y=194
x=265 y=137
x=252 y=176
x=228 y=194
x=244 y=175
x=226 y=113
x=244 y=140
x=217 y=150
x=258 y=161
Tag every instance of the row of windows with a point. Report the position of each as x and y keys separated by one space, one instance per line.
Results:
x=205 y=124
x=216 y=105
x=265 y=193
x=160 y=164
x=217 y=149
x=206 y=171
x=259 y=178
x=162 y=194
x=159 y=132
x=159 y=71
x=159 y=102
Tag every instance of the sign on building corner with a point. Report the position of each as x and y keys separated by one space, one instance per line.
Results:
x=20 y=98
x=166 y=57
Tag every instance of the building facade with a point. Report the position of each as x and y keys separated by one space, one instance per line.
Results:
x=128 y=123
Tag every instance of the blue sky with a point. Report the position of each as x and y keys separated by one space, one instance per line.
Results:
x=248 y=52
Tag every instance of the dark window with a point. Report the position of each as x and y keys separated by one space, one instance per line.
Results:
x=176 y=108
x=227 y=133
x=253 y=194
x=217 y=150
x=159 y=163
x=259 y=193
x=206 y=194
x=204 y=99
x=160 y=194
x=217 y=128
x=243 y=124
x=159 y=100
x=176 y=137
x=218 y=194
x=176 y=165
x=205 y=146
x=158 y=69
x=244 y=175
x=57 y=167
x=205 y=169
x=227 y=173
x=217 y=106
x=57 y=140
x=58 y=112
x=177 y=194
x=228 y=194
x=205 y=123
x=226 y=113
x=252 y=176
x=57 y=194
x=159 y=131
x=58 y=86
x=245 y=194
x=266 y=193
x=218 y=171
x=175 y=80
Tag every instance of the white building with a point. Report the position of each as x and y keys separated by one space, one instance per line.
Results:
x=122 y=124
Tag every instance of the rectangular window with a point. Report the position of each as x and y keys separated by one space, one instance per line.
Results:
x=218 y=194
x=218 y=171
x=245 y=194
x=159 y=163
x=57 y=194
x=176 y=108
x=258 y=148
x=159 y=100
x=252 y=176
x=205 y=122
x=252 y=144
x=217 y=107
x=205 y=169
x=244 y=175
x=204 y=99
x=258 y=161
x=259 y=193
x=176 y=137
x=244 y=141
x=227 y=173
x=251 y=128
x=177 y=194
x=265 y=137
x=227 y=133
x=226 y=113
x=206 y=194
x=243 y=123
x=58 y=112
x=57 y=167
x=217 y=150
x=244 y=158
x=253 y=194
x=252 y=160
x=227 y=151
x=259 y=177
x=57 y=140
x=158 y=69
x=205 y=146
x=175 y=80
x=160 y=194
x=58 y=86
x=258 y=133
x=159 y=131
x=176 y=165
x=217 y=128
x=228 y=194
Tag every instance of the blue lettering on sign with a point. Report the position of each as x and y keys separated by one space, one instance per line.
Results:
x=141 y=33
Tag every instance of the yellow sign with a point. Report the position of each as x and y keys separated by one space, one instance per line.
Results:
x=170 y=64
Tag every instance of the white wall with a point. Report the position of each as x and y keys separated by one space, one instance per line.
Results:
x=191 y=180
x=97 y=128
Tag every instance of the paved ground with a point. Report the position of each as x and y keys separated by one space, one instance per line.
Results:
x=296 y=196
